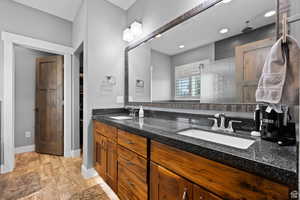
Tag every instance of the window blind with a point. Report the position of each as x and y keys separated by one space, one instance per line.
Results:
x=188 y=81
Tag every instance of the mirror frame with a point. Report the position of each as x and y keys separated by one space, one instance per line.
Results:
x=186 y=16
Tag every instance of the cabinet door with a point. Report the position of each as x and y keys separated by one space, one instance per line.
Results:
x=111 y=170
x=100 y=154
x=165 y=185
x=201 y=194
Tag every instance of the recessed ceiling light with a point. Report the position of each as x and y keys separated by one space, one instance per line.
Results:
x=224 y=30
x=158 y=36
x=226 y=1
x=270 y=13
x=181 y=46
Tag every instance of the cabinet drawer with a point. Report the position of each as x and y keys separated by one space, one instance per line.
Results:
x=125 y=194
x=225 y=181
x=133 y=142
x=132 y=183
x=133 y=162
x=108 y=131
x=201 y=194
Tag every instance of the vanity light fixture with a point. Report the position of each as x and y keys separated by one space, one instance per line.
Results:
x=270 y=13
x=136 y=29
x=181 y=46
x=224 y=30
x=226 y=1
x=127 y=35
x=158 y=36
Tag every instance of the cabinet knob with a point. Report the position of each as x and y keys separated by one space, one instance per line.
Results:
x=185 y=194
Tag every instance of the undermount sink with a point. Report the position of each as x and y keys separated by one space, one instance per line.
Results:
x=228 y=140
x=121 y=117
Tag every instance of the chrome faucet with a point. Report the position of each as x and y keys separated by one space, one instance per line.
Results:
x=132 y=112
x=222 y=127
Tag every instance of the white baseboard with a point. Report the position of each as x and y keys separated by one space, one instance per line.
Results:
x=25 y=149
x=67 y=154
x=5 y=169
x=76 y=153
x=88 y=173
x=109 y=192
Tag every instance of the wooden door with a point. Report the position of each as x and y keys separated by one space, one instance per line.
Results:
x=250 y=59
x=112 y=161
x=165 y=185
x=100 y=154
x=49 y=135
x=201 y=194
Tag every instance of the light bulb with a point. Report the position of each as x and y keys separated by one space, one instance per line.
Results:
x=127 y=35
x=136 y=28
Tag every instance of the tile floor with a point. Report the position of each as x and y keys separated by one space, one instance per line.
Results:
x=46 y=177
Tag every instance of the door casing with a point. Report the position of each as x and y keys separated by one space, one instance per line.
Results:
x=7 y=114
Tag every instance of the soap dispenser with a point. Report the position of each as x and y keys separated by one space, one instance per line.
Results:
x=141 y=112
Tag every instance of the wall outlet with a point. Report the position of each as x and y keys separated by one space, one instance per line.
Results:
x=27 y=134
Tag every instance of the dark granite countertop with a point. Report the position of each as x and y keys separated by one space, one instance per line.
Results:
x=263 y=158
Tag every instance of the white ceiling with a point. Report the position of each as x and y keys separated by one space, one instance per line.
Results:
x=66 y=9
x=124 y=4
x=204 y=28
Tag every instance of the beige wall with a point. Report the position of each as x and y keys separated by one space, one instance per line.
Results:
x=104 y=56
x=19 y=19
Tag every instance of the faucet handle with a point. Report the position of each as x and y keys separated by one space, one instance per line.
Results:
x=219 y=115
x=230 y=127
x=215 y=126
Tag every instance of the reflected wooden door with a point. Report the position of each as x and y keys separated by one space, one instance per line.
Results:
x=49 y=136
x=250 y=59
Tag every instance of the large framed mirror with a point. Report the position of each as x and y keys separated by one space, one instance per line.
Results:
x=212 y=54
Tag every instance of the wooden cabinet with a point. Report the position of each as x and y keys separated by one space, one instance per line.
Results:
x=100 y=153
x=133 y=142
x=112 y=164
x=201 y=194
x=132 y=167
x=133 y=162
x=222 y=180
x=123 y=161
x=105 y=153
x=165 y=185
x=131 y=183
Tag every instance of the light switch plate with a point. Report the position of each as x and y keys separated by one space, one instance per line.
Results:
x=27 y=134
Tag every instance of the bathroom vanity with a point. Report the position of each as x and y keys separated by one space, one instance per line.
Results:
x=205 y=68
x=147 y=159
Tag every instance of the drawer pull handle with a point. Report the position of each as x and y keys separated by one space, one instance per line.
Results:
x=130 y=183
x=130 y=142
x=129 y=163
x=185 y=195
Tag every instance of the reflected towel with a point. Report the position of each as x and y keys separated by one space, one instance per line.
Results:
x=279 y=82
